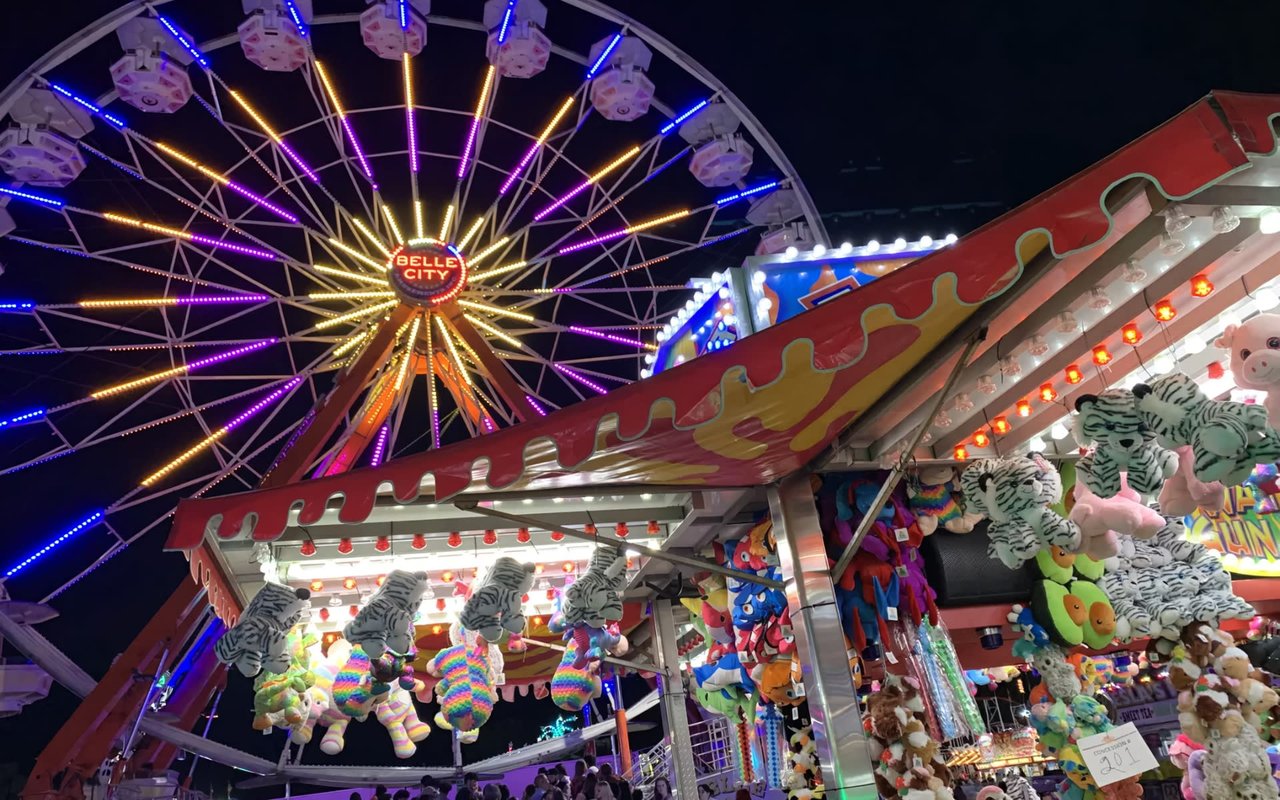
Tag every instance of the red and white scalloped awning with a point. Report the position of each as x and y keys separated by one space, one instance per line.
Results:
x=761 y=409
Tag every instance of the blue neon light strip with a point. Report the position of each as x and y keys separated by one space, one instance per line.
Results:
x=184 y=41
x=670 y=126
x=604 y=55
x=404 y=15
x=39 y=198
x=88 y=522
x=114 y=120
x=736 y=196
x=297 y=18
x=16 y=305
x=506 y=21
x=26 y=416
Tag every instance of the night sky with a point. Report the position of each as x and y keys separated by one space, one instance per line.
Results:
x=902 y=119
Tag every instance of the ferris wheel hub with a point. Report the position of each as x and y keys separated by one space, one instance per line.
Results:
x=427 y=273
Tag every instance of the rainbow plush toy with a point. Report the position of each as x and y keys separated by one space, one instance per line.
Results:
x=572 y=687
x=465 y=687
x=399 y=716
x=352 y=695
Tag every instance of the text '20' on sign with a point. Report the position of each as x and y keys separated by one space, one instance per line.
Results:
x=427 y=274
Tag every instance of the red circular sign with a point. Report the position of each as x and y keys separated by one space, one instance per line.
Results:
x=428 y=273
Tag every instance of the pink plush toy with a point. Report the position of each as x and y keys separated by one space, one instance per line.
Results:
x=1255 y=358
x=1100 y=520
x=1180 y=753
x=1183 y=492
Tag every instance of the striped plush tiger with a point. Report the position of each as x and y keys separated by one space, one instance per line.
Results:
x=258 y=640
x=386 y=622
x=493 y=609
x=1227 y=439
x=1110 y=422
x=593 y=599
x=1016 y=493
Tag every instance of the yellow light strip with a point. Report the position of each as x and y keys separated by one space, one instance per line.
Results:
x=551 y=126
x=675 y=215
x=431 y=387
x=147 y=226
x=350 y=344
x=328 y=89
x=368 y=234
x=490 y=250
x=391 y=223
x=503 y=312
x=466 y=348
x=612 y=165
x=453 y=350
x=136 y=382
x=498 y=332
x=444 y=223
x=253 y=114
x=346 y=273
x=203 y=445
x=349 y=295
x=424 y=240
x=417 y=220
x=479 y=276
x=356 y=254
x=146 y=301
x=408 y=351
x=475 y=228
x=357 y=314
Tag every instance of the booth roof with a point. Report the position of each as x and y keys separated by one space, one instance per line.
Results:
x=763 y=408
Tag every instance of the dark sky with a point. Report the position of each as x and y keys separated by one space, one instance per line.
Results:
x=893 y=114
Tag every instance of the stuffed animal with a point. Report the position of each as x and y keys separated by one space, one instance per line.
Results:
x=1227 y=439
x=1016 y=493
x=802 y=779
x=933 y=502
x=323 y=709
x=493 y=610
x=593 y=598
x=572 y=686
x=258 y=640
x=1254 y=695
x=398 y=715
x=390 y=668
x=1101 y=519
x=284 y=700
x=386 y=621
x=1111 y=424
x=1180 y=753
x=465 y=686
x=779 y=681
x=1237 y=768
x=905 y=757
x=1183 y=492
x=353 y=699
x=1255 y=358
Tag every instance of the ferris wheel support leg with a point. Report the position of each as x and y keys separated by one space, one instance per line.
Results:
x=675 y=717
x=78 y=749
x=205 y=677
x=494 y=369
x=334 y=408
x=843 y=752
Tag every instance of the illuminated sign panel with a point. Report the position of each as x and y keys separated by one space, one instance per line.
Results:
x=427 y=274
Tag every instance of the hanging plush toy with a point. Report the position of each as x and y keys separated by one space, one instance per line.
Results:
x=803 y=778
x=284 y=700
x=1255 y=358
x=1101 y=519
x=386 y=621
x=779 y=681
x=934 y=504
x=353 y=698
x=1016 y=493
x=493 y=610
x=590 y=604
x=390 y=668
x=1227 y=439
x=1183 y=492
x=257 y=641
x=465 y=687
x=572 y=687
x=399 y=716
x=1111 y=425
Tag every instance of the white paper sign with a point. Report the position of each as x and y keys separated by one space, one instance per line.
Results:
x=1117 y=754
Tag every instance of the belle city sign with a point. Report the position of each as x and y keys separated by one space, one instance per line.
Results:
x=428 y=273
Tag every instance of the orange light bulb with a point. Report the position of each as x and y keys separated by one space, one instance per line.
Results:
x=1101 y=355
x=1024 y=408
x=349 y=583
x=1201 y=286
x=961 y=453
x=1073 y=373
x=1001 y=425
x=981 y=439
x=317 y=586
x=1165 y=312
x=1048 y=393
x=1131 y=334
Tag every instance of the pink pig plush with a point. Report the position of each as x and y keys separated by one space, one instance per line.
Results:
x=1255 y=358
x=1100 y=520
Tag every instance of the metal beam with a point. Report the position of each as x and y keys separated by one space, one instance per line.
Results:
x=699 y=564
x=494 y=368
x=900 y=467
x=675 y=717
x=622 y=662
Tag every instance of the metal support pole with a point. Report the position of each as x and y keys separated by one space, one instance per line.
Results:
x=702 y=565
x=828 y=682
x=675 y=718
x=900 y=468
x=208 y=723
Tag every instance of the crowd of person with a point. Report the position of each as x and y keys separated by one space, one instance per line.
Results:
x=588 y=782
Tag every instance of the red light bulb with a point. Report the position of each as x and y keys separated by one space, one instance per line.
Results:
x=308 y=548
x=317 y=586
x=1001 y=425
x=1216 y=370
x=621 y=530
x=1201 y=286
x=522 y=535
x=1101 y=355
x=1048 y=393
x=348 y=583
x=455 y=539
x=344 y=546
x=524 y=598
x=490 y=537
x=439 y=604
x=551 y=594
x=589 y=528
x=419 y=541
x=1131 y=334
x=557 y=536
x=961 y=453
x=353 y=610
x=324 y=615
x=383 y=544
x=446 y=576
x=653 y=528
x=1165 y=312
x=567 y=566
x=1024 y=408
x=981 y=439
x=1073 y=374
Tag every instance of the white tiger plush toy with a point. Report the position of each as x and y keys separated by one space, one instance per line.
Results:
x=1227 y=439
x=386 y=622
x=494 y=608
x=1016 y=493
x=1111 y=424
x=594 y=598
x=257 y=641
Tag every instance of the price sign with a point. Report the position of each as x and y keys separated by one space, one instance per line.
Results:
x=1117 y=754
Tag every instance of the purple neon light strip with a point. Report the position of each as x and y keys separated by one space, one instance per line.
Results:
x=223 y=356
x=466 y=149
x=435 y=426
x=608 y=337
x=262 y=201
x=355 y=145
x=261 y=404
x=219 y=299
x=488 y=424
x=580 y=378
x=561 y=201
x=535 y=405
x=379 y=445
x=601 y=239
x=519 y=169
x=297 y=160
x=209 y=241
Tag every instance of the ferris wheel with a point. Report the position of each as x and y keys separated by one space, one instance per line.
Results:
x=269 y=243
